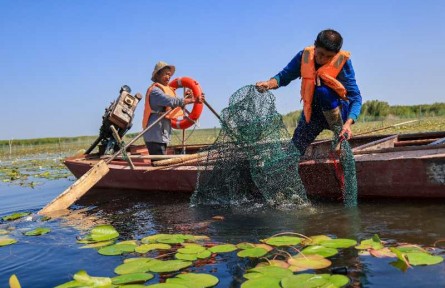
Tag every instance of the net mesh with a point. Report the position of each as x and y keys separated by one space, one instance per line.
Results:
x=253 y=158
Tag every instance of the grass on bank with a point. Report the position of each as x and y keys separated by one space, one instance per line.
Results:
x=71 y=145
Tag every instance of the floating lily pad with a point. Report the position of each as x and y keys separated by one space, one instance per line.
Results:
x=262 y=282
x=167 y=285
x=144 y=248
x=338 y=243
x=252 y=253
x=372 y=243
x=315 y=240
x=204 y=254
x=223 y=248
x=15 y=216
x=117 y=249
x=309 y=262
x=100 y=233
x=194 y=280
x=37 y=232
x=267 y=271
x=276 y=263
x=266 y=247
x=7 y=241
x=131 y=278
x=71 y=284
x=418 y=258
x=192 y=249
x=98 y=244
x=410 y=249
x=245 y=245
x=282 y=241
x=136 y=266
x=314 y=280
x=187 y=257
x=381 y=253
x=14 y=282
x=169 y=266
x=166 y=238
x=91 y=281
x=320 y=250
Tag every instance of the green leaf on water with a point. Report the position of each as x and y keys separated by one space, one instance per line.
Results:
x=223 y=248
x=14 y=282
x=167 y=285
x=91 y=281
x=131 y=278
x=144 y=248
x=104 y=233
x=305 y=262
x=282 y=241
x=252 y=253
x=267 y=271
x=194 y=280
x=98 y=244
x=169 y=266
x=7 y=241
x=418 y=258
x=245 y=245
x=38 y=231
x=204 y=254
x=339 y=243
x=187 y=257
x=314 y=280
x=117 y=249
x=315 y=240
x=192 y=249
x=15 y=216
x=372 y=243
x=141 y=265
x=320 y=250
x=262 y=282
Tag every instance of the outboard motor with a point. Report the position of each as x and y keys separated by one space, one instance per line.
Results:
x=118 y=116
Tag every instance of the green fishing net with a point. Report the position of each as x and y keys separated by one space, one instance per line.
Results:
x=253 y=159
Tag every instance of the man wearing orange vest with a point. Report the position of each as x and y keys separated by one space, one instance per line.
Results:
x=330 y=95
x=160 y=98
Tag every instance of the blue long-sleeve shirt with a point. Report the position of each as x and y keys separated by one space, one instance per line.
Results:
x=346 y=77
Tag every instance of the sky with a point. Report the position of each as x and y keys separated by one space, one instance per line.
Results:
x=63 y=62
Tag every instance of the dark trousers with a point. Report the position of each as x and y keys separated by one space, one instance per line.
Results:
x=156 y=148
x=324 y=99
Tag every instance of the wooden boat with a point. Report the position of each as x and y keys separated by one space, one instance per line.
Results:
x=400 y=165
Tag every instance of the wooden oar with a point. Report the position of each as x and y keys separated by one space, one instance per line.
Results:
x=90 y=178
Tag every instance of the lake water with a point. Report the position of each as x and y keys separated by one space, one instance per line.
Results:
x=52 y=259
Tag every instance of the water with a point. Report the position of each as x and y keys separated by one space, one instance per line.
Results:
x=52 y=259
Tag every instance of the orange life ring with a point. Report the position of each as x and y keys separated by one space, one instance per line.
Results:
x=191 y=118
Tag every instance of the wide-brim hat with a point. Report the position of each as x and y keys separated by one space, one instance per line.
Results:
x=159 y=66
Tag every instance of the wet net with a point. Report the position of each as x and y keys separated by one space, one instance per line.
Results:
x=252 y=158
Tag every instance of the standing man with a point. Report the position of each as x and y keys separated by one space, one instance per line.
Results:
x=160 y=97
x=331 y=97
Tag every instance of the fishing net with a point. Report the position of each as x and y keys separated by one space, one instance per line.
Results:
x=252 y=158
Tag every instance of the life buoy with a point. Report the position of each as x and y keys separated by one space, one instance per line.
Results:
x=188 y=119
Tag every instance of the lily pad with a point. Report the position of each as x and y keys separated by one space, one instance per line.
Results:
x=339 y=243
x=7 y=241
x=192 y=249
x=100 y=233
x=252 y=253
x=169 y=266
x=418 y=258
x=167 y=285
x=15 y=216
x=306 y=262
x=131 y=278
x=144 y=248
x=314 y=280
x=91 y=281
x=194 y=280
x=223 y=248
x=320 y=250
x=204 y=254
x=38 y=231
x=262 y=282
x=372 y=243
x=98 y=244
x=315 y=240
x=282 y=241
x=117 y=249
x=276 y=263
x=136 y=266
x=187 y=257
x=14 y=282
x=267 y=271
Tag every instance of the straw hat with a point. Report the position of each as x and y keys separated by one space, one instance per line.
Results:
x=159 y=66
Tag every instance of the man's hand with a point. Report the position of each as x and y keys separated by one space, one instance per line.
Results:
x=263 y=86
x=346 y=131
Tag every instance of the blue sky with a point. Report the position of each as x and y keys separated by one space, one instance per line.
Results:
x=63 y=62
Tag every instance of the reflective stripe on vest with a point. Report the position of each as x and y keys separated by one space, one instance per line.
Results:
x=177 y=112
x=328 y=73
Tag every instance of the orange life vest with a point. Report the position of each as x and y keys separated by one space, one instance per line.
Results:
x=311 y=77
x=177 y=112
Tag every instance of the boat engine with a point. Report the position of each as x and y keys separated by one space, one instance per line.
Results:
x=117 y=118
